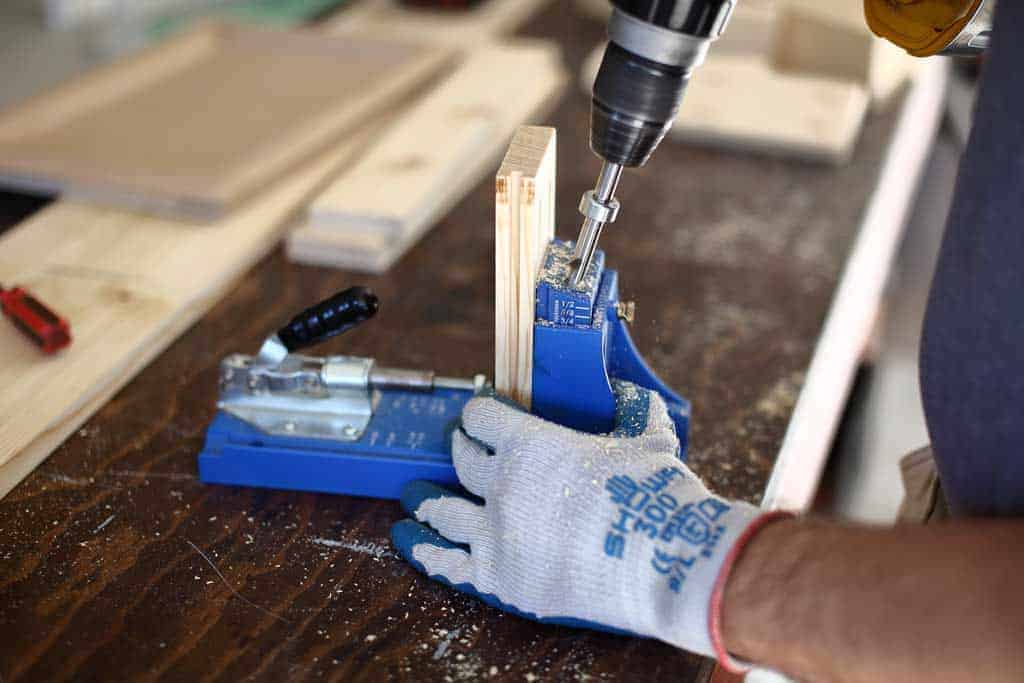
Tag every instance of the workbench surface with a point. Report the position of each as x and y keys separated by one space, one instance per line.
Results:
x=115 y=562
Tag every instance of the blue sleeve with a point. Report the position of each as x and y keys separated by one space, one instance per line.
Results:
x=972 y=346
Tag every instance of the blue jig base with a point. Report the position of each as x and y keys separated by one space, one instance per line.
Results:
x=581 y=344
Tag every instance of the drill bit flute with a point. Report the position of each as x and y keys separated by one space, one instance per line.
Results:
x=598 y=207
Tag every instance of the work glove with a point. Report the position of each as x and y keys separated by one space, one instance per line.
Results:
x=611 y=532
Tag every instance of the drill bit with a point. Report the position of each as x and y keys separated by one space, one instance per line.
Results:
x=598 y=207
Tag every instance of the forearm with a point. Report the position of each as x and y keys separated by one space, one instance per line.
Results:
x=825 y=602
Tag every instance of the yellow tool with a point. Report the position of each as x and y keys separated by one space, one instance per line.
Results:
x=933 y=27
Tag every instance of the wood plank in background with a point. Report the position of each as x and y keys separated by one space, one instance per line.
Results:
x=739 y=102
x=430 y=158
x=524 y=224
x=453 y=27
x=197 y=125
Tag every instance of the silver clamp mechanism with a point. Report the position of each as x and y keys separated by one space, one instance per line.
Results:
x=330 y=397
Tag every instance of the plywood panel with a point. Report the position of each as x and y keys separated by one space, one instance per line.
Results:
x=197 y=125
x=524 y=224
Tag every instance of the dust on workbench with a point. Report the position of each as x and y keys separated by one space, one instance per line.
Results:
x=115 y=562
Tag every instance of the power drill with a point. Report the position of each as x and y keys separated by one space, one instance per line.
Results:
x=654 y=46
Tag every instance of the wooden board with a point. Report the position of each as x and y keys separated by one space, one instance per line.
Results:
x=202 y=122
x=740 y=102
x=737 y=101
x=830 y=38
x=524 y=224
x=430 y=158
x=455 y=28
x=129 y=285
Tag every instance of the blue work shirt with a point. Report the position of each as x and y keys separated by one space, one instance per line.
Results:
x=972 y=347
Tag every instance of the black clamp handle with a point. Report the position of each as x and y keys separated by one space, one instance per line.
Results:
x=329 y=318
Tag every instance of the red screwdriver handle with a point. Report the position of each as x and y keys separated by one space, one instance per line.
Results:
x=46 y=329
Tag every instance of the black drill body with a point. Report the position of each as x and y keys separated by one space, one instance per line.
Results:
x=654 y=47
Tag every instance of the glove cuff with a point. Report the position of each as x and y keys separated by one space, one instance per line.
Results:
x=728 y=662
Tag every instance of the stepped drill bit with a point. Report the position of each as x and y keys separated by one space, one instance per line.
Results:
x=598 y=207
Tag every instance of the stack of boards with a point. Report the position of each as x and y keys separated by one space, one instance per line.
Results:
x=131 y=282
x=524 y=225
x=442 y=147
x=427 y=161
x=792 y=78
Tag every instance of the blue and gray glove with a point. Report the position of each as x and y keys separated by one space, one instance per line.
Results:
x=610 y=532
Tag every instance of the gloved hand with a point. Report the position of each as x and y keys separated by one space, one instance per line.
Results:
x=610 y=532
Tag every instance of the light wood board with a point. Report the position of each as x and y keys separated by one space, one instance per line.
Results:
x=524 y=224
x=129 y=284
x=830 y=38
x=737 y=101
x=456 y=28
x=197 y=125
x=430 y=158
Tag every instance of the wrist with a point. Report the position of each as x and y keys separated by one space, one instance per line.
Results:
x=736 y=574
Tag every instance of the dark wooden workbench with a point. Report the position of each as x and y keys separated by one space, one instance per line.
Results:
x=116 y=563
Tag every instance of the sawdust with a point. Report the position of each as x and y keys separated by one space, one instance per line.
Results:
x=778 y=403
x=104 y=524
x=446 y=641
x=558 y=267
x=377 y=551
x=72 y=481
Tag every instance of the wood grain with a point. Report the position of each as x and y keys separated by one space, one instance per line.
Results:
x=524 y=225
x=197 y=125
x=733 y=261
x=434 y=154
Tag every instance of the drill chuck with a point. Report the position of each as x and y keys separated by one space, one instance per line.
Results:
x=635 y=103
x=654 y=47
